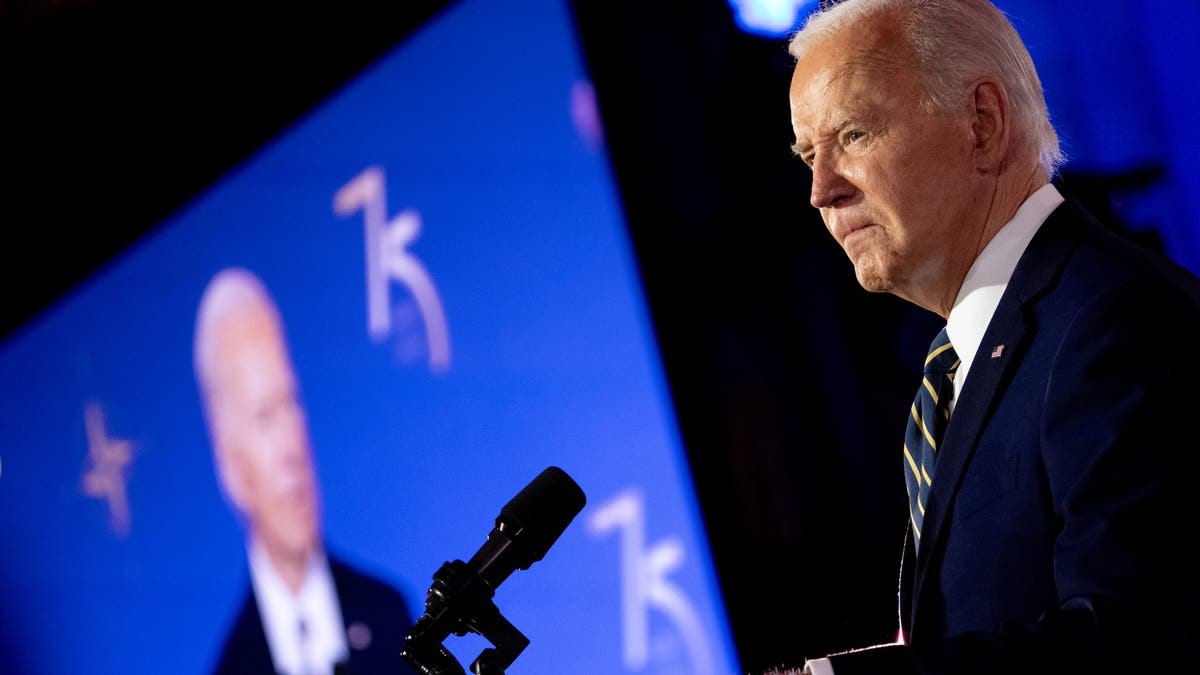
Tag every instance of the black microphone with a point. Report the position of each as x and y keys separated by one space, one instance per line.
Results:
x=459 y=601
x=528 y=526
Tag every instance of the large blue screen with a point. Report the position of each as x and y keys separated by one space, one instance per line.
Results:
x=444 y=245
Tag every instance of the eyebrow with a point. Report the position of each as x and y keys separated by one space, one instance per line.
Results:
x=798 y=148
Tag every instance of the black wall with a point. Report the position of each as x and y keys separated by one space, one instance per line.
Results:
x=113 y=113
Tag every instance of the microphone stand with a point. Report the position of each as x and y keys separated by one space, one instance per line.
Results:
x=460 y=602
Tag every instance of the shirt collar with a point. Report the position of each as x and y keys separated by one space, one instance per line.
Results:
x=985 y=282
x=281 y=610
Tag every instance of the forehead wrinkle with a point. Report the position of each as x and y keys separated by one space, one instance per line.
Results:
x=884 y=54
x=869 y=61
x=851 y=102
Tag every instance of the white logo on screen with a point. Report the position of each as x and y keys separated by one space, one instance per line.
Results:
x=645 y=586
x=109 y=459
x=388 y=259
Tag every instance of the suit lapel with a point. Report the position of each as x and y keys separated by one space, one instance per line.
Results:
x=246 y=649
x=1008 y=327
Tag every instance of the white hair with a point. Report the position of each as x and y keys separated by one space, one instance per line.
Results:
x=231 y=291
x=954 y=42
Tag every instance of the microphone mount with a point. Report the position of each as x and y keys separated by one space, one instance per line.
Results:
x=460 y=602
x=460 y=599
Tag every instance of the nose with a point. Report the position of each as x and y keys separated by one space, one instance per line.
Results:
x=830 y=187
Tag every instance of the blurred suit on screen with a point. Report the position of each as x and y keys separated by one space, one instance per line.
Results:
x=306 y=612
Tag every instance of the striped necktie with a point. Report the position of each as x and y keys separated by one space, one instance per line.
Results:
x=926 y=425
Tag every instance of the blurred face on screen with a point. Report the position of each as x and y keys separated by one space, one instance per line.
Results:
x=890 y=178
x=264 y=435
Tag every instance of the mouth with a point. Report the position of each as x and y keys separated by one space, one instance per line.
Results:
x=848 y=231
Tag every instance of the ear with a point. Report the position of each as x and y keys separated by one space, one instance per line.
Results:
x=990 y=125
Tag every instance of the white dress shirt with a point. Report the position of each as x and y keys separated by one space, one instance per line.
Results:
x=978 y=298
x=988 y=277
x=304 y=630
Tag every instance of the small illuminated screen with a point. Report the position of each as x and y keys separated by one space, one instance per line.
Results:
x=260 y=431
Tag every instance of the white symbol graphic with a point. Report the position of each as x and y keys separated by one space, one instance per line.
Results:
x=388 y=259
x=108 y=457
x=644 y=584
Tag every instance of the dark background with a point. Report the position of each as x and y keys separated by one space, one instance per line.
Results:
x=790 y=382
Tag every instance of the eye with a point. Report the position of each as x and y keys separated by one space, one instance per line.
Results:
x=855 y=136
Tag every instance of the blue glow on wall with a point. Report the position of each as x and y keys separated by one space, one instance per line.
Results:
x=771 y=18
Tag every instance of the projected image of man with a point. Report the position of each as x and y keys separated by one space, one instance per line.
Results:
x=307 y=612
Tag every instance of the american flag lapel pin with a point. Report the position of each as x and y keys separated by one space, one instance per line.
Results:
x=998 y=351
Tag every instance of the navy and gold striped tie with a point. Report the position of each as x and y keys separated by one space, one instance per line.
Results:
x=926 y=425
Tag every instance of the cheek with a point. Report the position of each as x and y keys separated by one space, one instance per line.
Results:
x=925 y=185
x=268 y=466
x=885 y=175
x=945 y=156
x=896 y=199
x=260 y=477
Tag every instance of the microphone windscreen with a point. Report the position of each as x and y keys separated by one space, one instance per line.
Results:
x=540 y=512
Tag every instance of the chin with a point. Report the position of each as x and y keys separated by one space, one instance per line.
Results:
x=300 y=538
x=303 y=548
x=873 y=282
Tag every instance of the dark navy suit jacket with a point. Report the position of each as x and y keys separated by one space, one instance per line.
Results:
x=366 y=603
x=1058 y=534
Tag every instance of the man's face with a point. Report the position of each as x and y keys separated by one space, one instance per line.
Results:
x=264 y=435
x=893 y=182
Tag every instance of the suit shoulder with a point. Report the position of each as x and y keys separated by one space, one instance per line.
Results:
x=1102 y=261
x=245 y=649
x=377 y=618
x=365 y=592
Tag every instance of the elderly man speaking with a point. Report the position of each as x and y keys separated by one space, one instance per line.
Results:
x=1052 y=465
x=305 y=611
